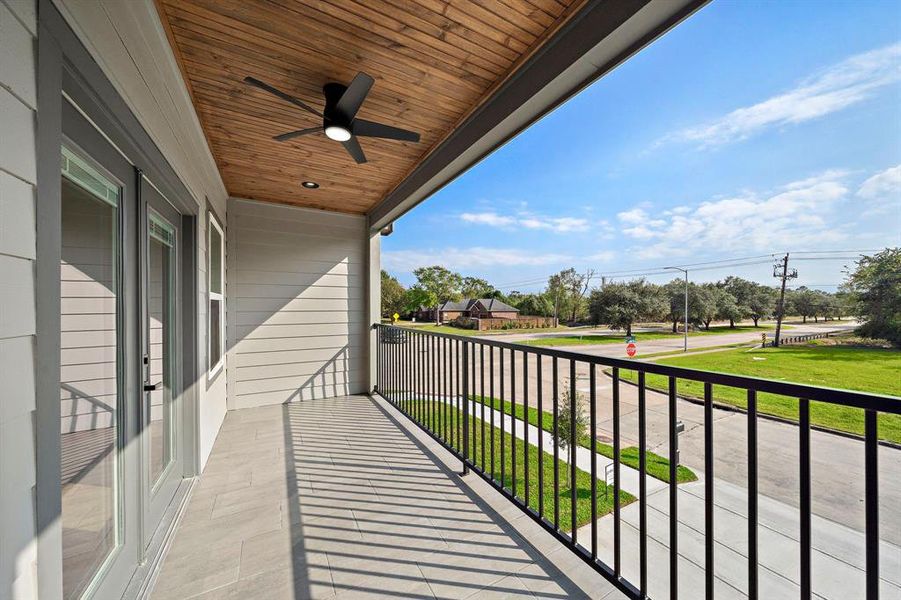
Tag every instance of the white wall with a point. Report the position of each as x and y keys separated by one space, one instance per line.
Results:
x=18 y=95
x=296 y=302
x=129 y=43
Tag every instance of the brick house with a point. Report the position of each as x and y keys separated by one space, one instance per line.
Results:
x=476 y=308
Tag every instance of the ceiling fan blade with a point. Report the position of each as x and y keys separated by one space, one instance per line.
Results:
x=352 y=98
x=365 y=128
x=286 y=97
x=353 y=148
x=293 y=134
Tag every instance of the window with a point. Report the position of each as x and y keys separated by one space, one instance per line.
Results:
x=216 y=308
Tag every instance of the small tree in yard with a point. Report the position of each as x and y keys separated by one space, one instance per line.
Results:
x=564 y=422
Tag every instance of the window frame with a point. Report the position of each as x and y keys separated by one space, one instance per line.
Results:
x=214 y=369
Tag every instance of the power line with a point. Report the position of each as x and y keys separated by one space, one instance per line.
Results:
x=706 y=265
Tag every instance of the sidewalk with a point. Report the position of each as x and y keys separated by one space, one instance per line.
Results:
x=837 y=553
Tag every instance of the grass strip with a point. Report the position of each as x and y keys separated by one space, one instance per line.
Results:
x=582 y=482
x=657 y=466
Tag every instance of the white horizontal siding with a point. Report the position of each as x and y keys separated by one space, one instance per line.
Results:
x=296 y=304
x=18 y=166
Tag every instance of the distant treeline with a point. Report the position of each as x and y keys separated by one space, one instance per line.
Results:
x=871 y=293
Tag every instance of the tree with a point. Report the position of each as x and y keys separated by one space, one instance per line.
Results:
x=418 y=297
x=564 y=421
x=568 y=289
x=821 y=307
x=474 y=287
x=619 y=305
x=702 y=304
x=876 y=285
x=675 y=294
x=738 y=307
x=727 y=308
x=761 y=302
x=439 y=284
x=804 y=302
x=393 y=295
x=539 y=305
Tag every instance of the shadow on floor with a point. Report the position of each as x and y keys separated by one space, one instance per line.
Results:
x=332 y=498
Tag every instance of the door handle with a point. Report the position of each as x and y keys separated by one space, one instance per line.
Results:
x=152 y=387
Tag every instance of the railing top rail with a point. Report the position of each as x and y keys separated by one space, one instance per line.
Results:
x=851 y=398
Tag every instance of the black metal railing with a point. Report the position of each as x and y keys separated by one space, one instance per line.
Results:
x=446 y=384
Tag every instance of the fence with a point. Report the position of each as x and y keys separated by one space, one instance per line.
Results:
x=439 y=382
x=800 y=339
x=521 y=322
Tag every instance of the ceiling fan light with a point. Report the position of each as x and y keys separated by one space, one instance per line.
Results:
x=337 y=133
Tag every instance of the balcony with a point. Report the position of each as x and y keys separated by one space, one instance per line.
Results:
x=346 y=498
x=197 y=403
x=364 y=495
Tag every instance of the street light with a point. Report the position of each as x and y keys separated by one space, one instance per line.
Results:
x=685 y=346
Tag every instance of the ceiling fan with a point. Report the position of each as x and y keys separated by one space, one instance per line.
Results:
x=339 y=120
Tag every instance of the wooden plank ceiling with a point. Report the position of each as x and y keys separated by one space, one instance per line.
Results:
x=434 y=62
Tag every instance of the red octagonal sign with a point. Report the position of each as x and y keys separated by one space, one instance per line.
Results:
x=631 y=349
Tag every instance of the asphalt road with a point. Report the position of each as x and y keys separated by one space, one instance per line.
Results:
x=837 y=461
x=675 y=344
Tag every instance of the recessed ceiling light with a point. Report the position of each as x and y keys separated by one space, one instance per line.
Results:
x=310 y=185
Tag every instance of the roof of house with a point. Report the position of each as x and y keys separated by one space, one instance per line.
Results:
x=490 y=304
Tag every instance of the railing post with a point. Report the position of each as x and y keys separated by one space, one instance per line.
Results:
x=465 y=393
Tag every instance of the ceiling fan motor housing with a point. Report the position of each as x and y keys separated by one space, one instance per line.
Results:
x=331 y=117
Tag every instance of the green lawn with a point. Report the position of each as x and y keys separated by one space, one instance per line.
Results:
x=656 y=465
x=583 y=480
x=642 y=336
x=432 y=328
x=862 y=369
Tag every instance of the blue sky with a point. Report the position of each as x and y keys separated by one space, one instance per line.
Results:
x=752 y=128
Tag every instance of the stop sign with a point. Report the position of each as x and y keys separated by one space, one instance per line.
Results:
x=631 y=349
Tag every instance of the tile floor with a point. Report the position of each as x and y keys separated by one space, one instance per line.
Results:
x=339 y=499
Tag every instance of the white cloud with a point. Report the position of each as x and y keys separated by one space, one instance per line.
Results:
x=527 y=220
x=832 y=89
x=469 y=258
x=605 y=256
x=488 y=218
x=636 y=215
x=882 y=185
x=794 y=215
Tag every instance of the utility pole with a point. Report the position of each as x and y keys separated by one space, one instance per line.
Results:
x=685 y=328
x=782 y=272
